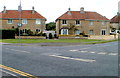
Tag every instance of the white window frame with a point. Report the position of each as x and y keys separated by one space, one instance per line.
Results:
x=24 y=21
x=63 y=22
x=91 y=23
x=77 y=22
x=91 y=33
x=103 y=22
x=9 y=21
x=102 y=31
x=76 y=32
x=64 y=30
x=38 y=21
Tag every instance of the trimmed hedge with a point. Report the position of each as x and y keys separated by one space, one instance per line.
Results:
x=7 y=34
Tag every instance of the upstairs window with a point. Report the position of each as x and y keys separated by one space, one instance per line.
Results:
x=64 y=21
x=38 y=21
x=77 y=22
x=24 y=21
x=10 y=21
x=91 y=22
x=103 y=23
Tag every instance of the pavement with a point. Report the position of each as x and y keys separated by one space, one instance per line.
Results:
x=74 y=60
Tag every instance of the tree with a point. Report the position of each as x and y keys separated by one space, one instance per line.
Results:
x=50 y=26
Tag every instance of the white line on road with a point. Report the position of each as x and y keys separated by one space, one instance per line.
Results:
x=102 y=53
x=113 y=54
x=92 y=52
x=73 y=50
x=8 y=73
x=18 y=50
x=83 y=51
x=78 y=59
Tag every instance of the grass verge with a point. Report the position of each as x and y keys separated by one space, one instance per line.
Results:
x=84 y=41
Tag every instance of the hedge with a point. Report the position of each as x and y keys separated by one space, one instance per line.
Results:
x=7 y=34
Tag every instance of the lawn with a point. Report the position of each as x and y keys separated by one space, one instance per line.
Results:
x=85 y=41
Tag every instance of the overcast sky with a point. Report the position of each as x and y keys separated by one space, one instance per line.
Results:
x=52 y=9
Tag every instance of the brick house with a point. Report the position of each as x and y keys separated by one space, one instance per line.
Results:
x=30 y=19
x=76 y=22
x=115 y=23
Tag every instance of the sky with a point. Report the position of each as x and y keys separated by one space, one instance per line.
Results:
x=52 y=9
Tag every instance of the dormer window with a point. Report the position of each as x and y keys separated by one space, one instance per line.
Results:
x=10 y=21
x=64 y=22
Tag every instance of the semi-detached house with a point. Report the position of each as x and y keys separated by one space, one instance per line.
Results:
x=115 y=23
x=30 y=19
x=76 y=22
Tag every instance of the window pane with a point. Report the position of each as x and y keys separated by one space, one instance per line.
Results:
x=37 y=21
x=91 y=32
x=77 y=32
x=9 y=21
x=24 y=21
x=77 y=22
x=64 y=22
x=64 y=32
x=91 y=22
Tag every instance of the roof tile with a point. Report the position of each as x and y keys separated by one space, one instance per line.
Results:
x=86 y=15
x=115 y=19
x=24 y=14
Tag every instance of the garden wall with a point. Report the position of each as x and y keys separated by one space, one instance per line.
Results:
x=103 y=37
x=30 y=37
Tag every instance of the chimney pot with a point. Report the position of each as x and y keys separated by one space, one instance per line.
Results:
x=33 y=11
x=82 y=10
x=69 y=9
x=4 y=11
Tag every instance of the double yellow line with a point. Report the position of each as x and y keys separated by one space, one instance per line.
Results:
x=17 y=71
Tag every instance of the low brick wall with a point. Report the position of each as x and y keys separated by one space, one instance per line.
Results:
x=66 y=37
x=30 y=37
x=103 y=37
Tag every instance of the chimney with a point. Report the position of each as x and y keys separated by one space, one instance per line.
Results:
x=82 y=10
x=69 y=13
x=4 y=11
x=33 y=11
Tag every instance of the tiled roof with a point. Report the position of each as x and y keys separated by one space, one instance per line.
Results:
x=115 y=19
x=24 y=14
x=86 y=15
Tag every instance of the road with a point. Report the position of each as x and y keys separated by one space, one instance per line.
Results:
x=76 y=60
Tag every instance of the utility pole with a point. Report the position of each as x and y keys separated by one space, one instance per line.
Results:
x=20 y=23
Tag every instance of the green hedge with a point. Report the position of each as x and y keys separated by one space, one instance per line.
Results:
x=7 y=34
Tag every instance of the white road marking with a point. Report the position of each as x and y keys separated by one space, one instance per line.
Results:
x=119 y=64
x=83 y=51
x=92 y=52
x=8 y=73
x=102 y=53
x=18 y=50
x=73 y=50
x=78 y=59
x=113 y=54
